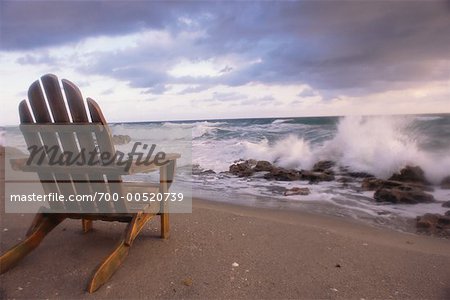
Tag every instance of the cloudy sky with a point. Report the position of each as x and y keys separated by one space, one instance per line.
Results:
x=205 y=60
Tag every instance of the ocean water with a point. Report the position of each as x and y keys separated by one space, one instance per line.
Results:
x=379 y=145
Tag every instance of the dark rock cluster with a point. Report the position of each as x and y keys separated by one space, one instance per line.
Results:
x=320 y=172
x=408 y=186
x=403 y=194
x=243 y=169
x=435 y=224
x=410 y=174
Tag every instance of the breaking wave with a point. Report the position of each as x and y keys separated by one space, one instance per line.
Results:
x=377 y=145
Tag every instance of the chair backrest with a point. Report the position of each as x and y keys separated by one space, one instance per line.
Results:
x=47 y=106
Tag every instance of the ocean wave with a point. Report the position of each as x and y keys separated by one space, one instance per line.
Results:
x=199 y=128
x=382 y=146
x=428 y=118
x=279 y=121
x=192 y=124
x=289 y=152
x=377 y=145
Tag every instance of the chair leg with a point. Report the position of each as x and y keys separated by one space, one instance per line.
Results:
x=165 y=178
x=109 y=265
x=40 y=228
x=112 y=262
x=36 y=221
x=87 y=225
x=165 y=228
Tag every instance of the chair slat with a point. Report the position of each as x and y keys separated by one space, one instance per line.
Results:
x=32 y=139
x=106 y=145
x=41 y=114
x=60 y=115
x=37 y=102
x=75 y=102
x=86 y=141
x=55 y=98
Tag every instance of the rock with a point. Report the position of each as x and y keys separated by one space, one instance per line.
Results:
x=345 y=179
x=121 y=139
x=447 y=213
x=329 y=172
x=263 y=165
x=402 y=195
x=446 y=204
x=243 y=169
x=427 y=220
x=316 y=176
x=252 y=162
x=282 y=174
x=410 y=174
x=297 y=191
x=276 y=190
x=360 y=175
x=207 y=172
x=434 y=224
x=445 y=183
x=323 y=165
x=197 y=170
x=372 y=184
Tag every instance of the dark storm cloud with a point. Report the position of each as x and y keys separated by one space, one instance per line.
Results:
x=337 y=47
x=342 y=45
x=31 y=24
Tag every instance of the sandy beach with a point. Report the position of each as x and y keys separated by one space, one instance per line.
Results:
x=225 y=251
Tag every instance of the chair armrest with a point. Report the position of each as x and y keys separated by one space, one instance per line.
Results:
x=20 y=164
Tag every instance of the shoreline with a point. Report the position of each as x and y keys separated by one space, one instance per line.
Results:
x=404 y=201
x=344 y=226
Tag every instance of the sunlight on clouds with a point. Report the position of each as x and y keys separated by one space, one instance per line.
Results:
x=205 y=68
x=156 y=38
x=428 y=98
x=107 y=43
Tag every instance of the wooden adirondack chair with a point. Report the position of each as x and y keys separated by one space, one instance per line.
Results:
x=54 y=111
